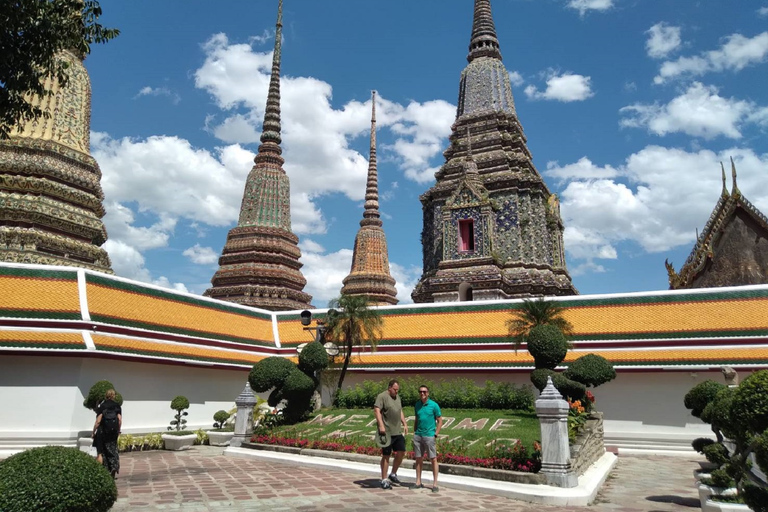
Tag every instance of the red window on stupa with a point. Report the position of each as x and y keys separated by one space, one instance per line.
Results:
x=467 y=235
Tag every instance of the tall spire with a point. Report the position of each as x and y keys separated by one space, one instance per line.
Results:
x=369 y=275
x=734 y=188
x=484 y=42
x=270 y=135
x=260 y=265
x=371 y=216
x=725 y=190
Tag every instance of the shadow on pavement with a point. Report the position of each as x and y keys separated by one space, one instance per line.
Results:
x=369 y=483
x=677 y=500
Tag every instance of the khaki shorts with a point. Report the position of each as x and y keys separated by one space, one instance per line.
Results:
x=424 y=446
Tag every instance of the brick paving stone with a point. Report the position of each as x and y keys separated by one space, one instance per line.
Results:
x=204 y=480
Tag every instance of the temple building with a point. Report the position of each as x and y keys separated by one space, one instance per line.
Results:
x=369 y=274
x=259 y=265
x=492 y=229
x=732 y=250
x=50 y=185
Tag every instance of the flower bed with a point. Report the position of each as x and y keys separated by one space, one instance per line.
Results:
x=505 y=457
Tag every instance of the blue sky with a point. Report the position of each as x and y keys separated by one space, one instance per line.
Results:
x=628 y=107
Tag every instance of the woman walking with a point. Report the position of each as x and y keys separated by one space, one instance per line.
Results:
x=109 y=421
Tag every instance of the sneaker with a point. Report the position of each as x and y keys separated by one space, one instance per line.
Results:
x=393 y=478
x=435 y=489
x=385 y=485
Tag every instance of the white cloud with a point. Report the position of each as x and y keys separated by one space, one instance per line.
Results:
x=516 y=79
x=584 y=169
x=129 y=263
x=159 y=91
x=590 y=5
x=566 y=87
x=658 y=200
x=201 y=255
x=324 y=273
x=736 y=53
x=699 y=112
x=405 y=280
x=763 y=11
x=663 y=39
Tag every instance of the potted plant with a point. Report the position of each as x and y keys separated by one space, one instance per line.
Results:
x=221 y=434
x=177 y=438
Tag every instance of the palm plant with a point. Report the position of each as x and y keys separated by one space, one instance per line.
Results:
x=533 y=313
x=355 y=324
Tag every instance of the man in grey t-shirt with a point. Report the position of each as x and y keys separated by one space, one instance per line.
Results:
x=389 y=416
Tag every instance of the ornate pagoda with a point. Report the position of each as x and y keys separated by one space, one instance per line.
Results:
x=50 y=185
x=732 y=250
x=369 y=274
x=259 y=265
x=492 y=229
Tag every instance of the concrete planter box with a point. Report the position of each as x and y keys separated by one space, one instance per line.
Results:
x=698 y=474
x=176 y=443
x=719 y=506
x=706 y=491
x=219 y=438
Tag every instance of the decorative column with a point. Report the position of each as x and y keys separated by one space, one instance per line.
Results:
x=552 y=411
x=245 y=403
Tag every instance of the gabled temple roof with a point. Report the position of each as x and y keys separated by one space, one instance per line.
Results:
x=731 y=250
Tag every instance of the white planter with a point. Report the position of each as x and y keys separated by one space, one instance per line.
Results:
x=177 y=443
x=698 y=474
x=706 y=491
x=85 y=444
x=219 y=438
x=719 y=506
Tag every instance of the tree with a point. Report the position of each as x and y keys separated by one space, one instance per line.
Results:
x=354 y=325
x=533 y=313
x=33 y=33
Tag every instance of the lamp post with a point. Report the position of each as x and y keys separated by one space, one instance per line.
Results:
x=320 y=329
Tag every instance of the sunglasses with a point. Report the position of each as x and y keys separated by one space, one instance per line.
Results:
x=423 y=392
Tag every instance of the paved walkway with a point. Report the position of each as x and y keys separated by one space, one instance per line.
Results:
x=203 y=479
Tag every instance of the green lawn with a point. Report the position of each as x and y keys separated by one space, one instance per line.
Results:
x=470 y=432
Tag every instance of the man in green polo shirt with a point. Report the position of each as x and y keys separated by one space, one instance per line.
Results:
x=429 y=421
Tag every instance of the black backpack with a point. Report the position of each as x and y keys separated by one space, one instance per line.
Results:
x=110 y=425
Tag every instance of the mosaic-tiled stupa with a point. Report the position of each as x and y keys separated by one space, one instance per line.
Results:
x=732 y=250
x=369 y=274
x=260 y=265
x=496 y=232
x=50 y=185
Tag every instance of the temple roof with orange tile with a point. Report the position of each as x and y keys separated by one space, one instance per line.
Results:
x=64 y=310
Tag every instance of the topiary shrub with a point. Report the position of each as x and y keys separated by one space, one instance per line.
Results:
x=721 y=478
x=539 y=378
x=219 y=418
x=591 y=370
x=269 y=373
x=761 y=451
x=55 y=479
x=179 y=404
x=97 y=394
x=699 y=443
x=715 y=453
x=313 y=358
x=755 y=497
x=570 y=389
x=700 y=395
x=548 y=346
x=718 y=414
x=750 y=406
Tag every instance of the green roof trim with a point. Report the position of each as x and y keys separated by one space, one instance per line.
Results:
x=62 y=275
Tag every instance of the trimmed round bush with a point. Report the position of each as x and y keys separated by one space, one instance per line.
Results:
x=55 y=479
x=750 y=406
x=180 y=403
x=721 y=478
x=539 y=378
x=220 y=416
x=567 y=387
x=700 y=395
x=715 y=453
x=275 y=397
x=591 y=370
x=98 y=392
x=699 y=443
x=313 y=358
x=718 y=413
x=270 y=372
x=298 y=384
x=548 y=346
x=761 y=451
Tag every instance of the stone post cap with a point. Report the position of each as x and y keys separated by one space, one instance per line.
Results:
x=246 y=397
x=550 y=392
x=551 y=401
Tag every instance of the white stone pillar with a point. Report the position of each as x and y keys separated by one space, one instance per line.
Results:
x=245 y=403
x=552 y=411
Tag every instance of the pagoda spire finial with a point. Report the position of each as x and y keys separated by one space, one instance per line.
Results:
x=735 y=188
x=371 y=216
x=725 y=189
x=484 y=42
x=270 y=135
